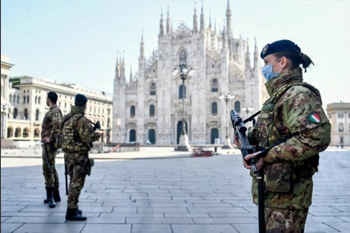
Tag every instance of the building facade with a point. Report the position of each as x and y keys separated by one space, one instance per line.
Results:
x=27 y=99
x=149 y=108
x=339 y=117
x=5 y=70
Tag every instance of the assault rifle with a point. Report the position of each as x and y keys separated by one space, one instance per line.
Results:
x=46 y=156
x=245 y=147
x=97 y=125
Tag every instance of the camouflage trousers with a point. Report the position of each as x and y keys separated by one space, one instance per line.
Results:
x=50 y=175
x=75 y=164
x=285 y=220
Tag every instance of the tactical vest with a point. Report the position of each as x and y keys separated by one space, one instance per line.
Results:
x=268 y=131
x=71 y=142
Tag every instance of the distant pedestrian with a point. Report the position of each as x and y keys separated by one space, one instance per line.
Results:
x=49 y=131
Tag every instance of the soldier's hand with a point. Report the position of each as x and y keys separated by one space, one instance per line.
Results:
x=258 y=165
x=46 y=139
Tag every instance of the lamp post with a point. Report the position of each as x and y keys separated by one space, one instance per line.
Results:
x=184 y=74
x=227 y=98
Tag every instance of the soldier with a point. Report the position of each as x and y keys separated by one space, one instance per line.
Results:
x=292 y=119
x=49 y=131
x=78 y=135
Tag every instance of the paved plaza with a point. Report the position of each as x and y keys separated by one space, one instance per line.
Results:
x=173 y=193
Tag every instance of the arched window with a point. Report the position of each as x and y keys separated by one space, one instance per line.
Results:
x=25 y=114
x=9 y=132
x=37 y=115
x=36 y=133
x=10 y=98
x=238 y=106
x=183 y=57
x=39 y=100
x=24 y=99
x=15 y=113
x=152 y=89
x=214 y=108
x=214 y=85
x=36 y=99
x=18 y=99
x=25 y=132
x=132 y=136
x=14 y=99
x=151 y=110
x=27 y=99
x=132 y=111
x=18 y=132
x=108 y=122
x=182 y=92
x=341 y=127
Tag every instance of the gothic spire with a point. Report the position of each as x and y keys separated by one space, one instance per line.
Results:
x=130 y=72
x=247 y=56
x=142 y=48
x=228 y=19
x=210 y=20
x=202 y=19
x=195 y=23
x=161 y=26
x=168 y=23
x=256 y=55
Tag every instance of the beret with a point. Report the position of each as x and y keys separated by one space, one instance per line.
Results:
x=80 y=100
x=52 y=96
x=279 y=46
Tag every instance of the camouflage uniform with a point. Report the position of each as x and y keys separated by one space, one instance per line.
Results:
x=49 y=128
x=76 y=152
x=293 y=113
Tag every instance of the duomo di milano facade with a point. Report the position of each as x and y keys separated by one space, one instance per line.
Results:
x=150 y=105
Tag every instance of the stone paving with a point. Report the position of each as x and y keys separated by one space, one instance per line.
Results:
x=173 y=195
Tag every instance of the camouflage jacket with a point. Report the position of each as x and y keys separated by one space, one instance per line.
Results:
x=293 y=113
x=84 y=130
x=51 y=124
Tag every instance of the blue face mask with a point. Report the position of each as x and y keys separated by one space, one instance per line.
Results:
x=268 y=72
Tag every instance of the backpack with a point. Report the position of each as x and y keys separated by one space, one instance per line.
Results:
x=68 y=136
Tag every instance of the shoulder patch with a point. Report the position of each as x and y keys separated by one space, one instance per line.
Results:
x=314 y=118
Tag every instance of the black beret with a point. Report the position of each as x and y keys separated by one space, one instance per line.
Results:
x=80 y=100
x=279 y=46
x=52 y=96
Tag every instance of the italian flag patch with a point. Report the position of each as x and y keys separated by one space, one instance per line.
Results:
x=314 y=118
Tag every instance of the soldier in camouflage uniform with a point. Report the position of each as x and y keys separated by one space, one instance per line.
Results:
x=293 y=119
x=78 y=134
x=49 y=130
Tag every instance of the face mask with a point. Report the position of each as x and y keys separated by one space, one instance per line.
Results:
x=268 y=72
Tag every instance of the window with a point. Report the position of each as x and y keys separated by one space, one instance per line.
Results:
x=238 y=106
x=26 y=114
x=18 y=132
x=214 y=108
x=37 y=115
x=24 y=99
x=36 y=133
x=15 y=113
x=14 y=99
x=182 y=92
x=151 y=110
x=27 y=99
x=39 y=100
x=25 y=132
x=152 y=89
x=341 y=127
x=10 y=98
x=214 y=85
x=340 y=115
x=132 y=111
x=36 y=99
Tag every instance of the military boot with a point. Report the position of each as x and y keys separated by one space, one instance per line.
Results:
x=73 y=215
x=56 y=196
x=49 y=198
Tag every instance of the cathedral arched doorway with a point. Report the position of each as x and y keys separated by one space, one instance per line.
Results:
x=214 y=134
x=132 y=136
x=152 y=136
x=179 y=130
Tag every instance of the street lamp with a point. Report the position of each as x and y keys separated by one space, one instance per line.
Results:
x=184 y=74
x=227 y=98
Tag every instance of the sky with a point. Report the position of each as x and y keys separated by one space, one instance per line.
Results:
x=78 y=41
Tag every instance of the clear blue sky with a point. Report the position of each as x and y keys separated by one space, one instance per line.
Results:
x=76 y=41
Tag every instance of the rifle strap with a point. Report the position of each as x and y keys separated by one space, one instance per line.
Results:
x=251 y=117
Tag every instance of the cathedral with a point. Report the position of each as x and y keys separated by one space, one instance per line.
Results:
x=152 y=106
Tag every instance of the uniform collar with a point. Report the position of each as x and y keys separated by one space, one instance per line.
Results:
x=76 y=110
x=54 y=106
x=293 y=76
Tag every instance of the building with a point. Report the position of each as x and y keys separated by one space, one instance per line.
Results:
x=149 y=106
x=339 y=117
x=5 y=70
x=27 y=99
